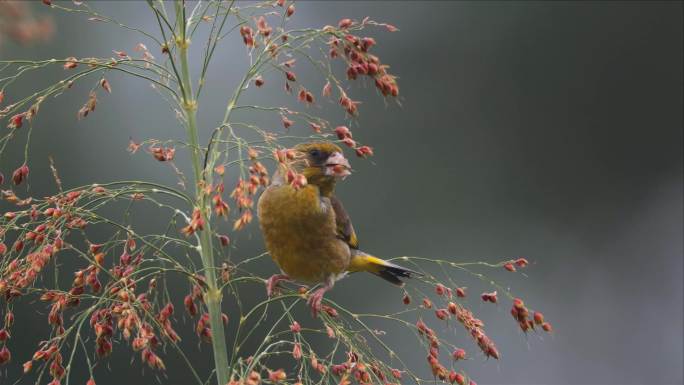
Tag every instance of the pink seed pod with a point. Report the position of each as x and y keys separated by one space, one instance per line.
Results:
x=521 y=262
x=453 y=309
x=327 y=89
x=5 y=355
x=315 y=127
x=295 y=327
x=20 y=174
x=9 y=319
x=509 y=266
x=547 y=327
x=364 y=151
x=290 y=10
x=190 y=305
x=349 y=142
x=538 y=317
x=259 y=81
x=297 y=351
x=291 y=76
x=16 y=121
x=225 y=241
x=406 y=299
x=287 y=122
x=459 y=354
x=345 y=23
x=343 y=132
x=427 y=303
x=71 y=63
x=104 y=83
x=489 y=297
x=332 y=312
x=391 y=28
x=518 y=304
x=442 y=314
x=460 y=292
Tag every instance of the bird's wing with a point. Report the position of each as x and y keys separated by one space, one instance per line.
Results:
x=345 y=230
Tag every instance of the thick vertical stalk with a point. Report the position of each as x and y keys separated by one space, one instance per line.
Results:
x=213 y=295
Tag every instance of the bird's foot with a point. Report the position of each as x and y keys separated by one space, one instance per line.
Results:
x=315 y=301
x=272 y=284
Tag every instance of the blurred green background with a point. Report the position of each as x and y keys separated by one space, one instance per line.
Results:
x=546 y=129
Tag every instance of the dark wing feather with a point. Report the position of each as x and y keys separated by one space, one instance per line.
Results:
x=345 y=230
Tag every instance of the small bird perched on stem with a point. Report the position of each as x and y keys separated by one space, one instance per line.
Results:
x=306 y=229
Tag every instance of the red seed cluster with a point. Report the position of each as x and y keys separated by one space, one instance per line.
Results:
x=438 y=370
x=89 y=106
x=475 y=327
x=359 y=62
x=511 y=265
x=525 y=320
x=162 y=154
x=490 y=297
x=196 y=223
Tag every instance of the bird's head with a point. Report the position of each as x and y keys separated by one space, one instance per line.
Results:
x=322 y=163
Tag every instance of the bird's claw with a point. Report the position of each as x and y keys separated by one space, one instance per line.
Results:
x=272 y=284
x=315 y=301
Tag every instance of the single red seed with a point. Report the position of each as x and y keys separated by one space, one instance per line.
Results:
x=538 y=317
x=518 y=303
x=345 y=23
x=509 y=266
x=547 y=327
x=343 y=132
x=295 y=327
x=291 y=76
x=459 y=354
x=364 y=151
x=224 y=240
x=406 y=299
x=5 y=355
x=521 y=262
x=460 y=292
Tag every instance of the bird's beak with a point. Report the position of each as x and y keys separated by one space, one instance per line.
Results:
x=337 y=165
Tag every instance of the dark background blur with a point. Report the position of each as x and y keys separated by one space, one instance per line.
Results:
x=551 y=130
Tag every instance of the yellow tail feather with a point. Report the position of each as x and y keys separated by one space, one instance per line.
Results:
x=383 y=269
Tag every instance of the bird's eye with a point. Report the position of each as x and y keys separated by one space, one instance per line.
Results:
x=315 y=153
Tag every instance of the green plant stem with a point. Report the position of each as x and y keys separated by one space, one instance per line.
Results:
x=213 y=295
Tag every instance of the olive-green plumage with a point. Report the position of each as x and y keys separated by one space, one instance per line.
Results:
x=301 y=233
x=307 y=231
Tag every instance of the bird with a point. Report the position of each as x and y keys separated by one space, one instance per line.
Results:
x=306 y=229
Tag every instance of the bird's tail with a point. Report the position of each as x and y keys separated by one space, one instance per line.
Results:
x=386 y=270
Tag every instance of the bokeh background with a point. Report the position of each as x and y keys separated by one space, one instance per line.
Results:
x=546 y=129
